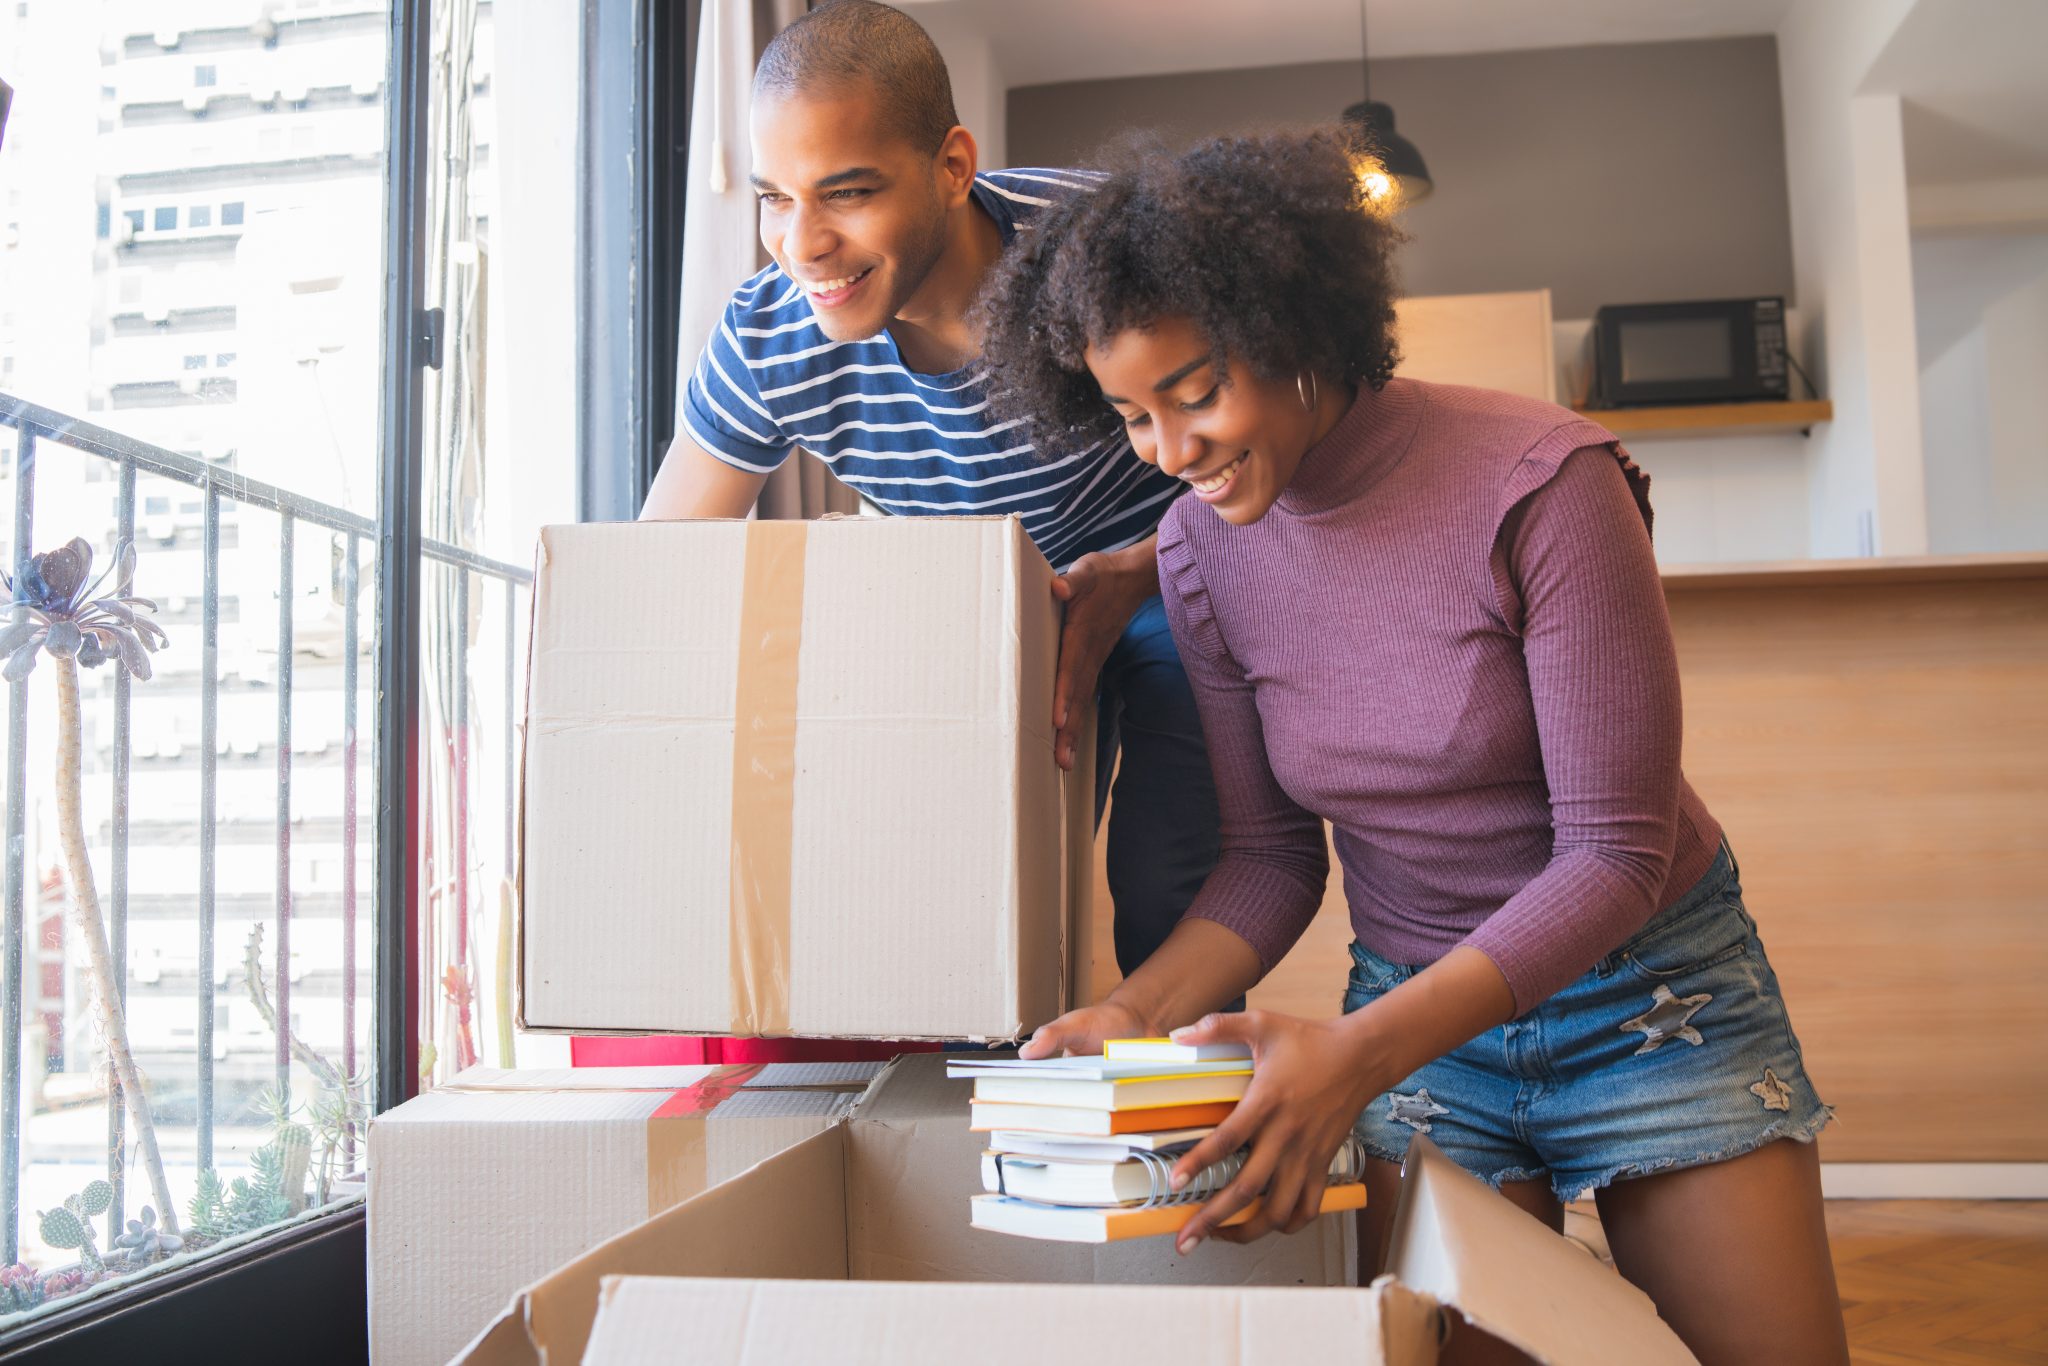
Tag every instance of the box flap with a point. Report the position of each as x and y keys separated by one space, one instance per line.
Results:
x=783 y=1323
x=1461 y=1242
x=783 y=1217
x=775 y=1076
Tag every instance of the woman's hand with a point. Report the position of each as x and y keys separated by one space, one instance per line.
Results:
x=1079 y=1033
x=1311 y=1079
x=1101 y=592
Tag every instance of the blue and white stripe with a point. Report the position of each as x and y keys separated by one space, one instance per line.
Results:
x=771 y=380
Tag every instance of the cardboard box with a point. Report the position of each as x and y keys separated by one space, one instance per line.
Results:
x=498 y=1177
x=1460 y=1251
x=881 y=1196
x=796 y=778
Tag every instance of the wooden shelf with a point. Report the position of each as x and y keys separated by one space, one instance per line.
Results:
x=1713 y=419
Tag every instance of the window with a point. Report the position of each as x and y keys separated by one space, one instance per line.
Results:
x=228 y=765
x=319 y=699
x=103 y=222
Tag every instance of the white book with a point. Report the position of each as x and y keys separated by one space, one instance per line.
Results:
x=1131 y=1179
x=1166 y=1050
x=1087 y=1068
x=1130 y=1093
x=1029 y=1141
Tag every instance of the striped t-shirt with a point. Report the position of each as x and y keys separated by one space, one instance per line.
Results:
x=911 y=444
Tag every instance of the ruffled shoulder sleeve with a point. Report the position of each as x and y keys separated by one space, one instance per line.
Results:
x=1188 y=606
x=1538 y=466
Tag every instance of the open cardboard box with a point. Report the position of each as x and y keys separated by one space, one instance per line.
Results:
x=479 y=1186
x=828 y=1251
x=797 y=778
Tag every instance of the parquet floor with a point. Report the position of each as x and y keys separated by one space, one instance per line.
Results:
x=1962 y=1281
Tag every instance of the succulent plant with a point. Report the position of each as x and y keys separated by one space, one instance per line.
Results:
x=145 y=1242
x=64 y=618
x=21 y=1288
x=53 y=611
x=70 y=1224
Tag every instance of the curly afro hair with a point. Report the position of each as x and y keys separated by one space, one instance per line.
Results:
x=1267 y=243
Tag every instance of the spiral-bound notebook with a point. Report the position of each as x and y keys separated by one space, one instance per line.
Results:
x=1082 y=1224
x=1136 y=1177
x=1092 y=1200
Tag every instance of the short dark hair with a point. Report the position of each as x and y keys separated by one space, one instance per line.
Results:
x=844 y=44
x=1267 y=243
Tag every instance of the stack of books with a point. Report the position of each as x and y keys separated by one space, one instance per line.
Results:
x=1082 y=1150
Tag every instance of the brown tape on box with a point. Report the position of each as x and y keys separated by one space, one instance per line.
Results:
x=676 y=1159
x=764 y=775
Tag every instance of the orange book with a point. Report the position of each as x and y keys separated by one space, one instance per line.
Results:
x=1089 y=1123
x=1084 y=1224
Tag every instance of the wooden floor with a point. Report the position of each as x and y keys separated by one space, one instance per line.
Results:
x=1962 y=1281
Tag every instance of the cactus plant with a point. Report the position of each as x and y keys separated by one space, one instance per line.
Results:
x=70 y=1224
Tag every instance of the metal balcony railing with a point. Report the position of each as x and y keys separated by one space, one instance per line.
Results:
x=39 y=429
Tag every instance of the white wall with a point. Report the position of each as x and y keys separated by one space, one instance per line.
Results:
x=530 y=394
x=981 y=95
x=1982 y=313
x=1845 y=162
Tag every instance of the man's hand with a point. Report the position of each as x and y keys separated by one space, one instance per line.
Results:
x=1310 y=1080
x=1080 y=1033
x=1101 y=592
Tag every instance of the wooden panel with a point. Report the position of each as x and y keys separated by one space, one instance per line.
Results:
x=1879 y=755
x=1878 y=751
x=1490 y=341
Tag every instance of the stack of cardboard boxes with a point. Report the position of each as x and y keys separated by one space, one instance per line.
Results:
x=797 y=779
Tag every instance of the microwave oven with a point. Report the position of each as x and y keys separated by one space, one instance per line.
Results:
x=1708 y=351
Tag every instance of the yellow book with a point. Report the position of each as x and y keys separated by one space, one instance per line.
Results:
x=1121 y=1093
x=1166 y=1050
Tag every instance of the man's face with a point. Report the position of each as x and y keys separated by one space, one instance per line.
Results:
x=850 y=209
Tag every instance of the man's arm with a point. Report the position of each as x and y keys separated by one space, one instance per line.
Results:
x=692 y=482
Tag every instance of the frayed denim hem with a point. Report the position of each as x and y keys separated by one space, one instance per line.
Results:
x=1571 y=1188
x=1495 y=1180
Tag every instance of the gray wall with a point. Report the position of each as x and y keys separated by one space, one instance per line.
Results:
x=1623 y=174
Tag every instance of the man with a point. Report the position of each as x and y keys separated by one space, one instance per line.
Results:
x=855 y=345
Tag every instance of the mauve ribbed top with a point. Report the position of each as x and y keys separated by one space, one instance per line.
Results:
x=1449 y=640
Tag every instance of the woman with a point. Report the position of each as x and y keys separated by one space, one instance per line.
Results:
x=1430 y=616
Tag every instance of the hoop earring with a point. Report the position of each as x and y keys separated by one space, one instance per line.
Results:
x=1309 y=392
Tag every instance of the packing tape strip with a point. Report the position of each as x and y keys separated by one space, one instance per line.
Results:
x=677 y=1163
x=764 y=775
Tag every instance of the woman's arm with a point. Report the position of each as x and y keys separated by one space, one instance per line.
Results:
x=1603 y=680
x=1269 y=878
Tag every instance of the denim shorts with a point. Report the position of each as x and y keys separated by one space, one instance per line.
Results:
x=1673 y=1051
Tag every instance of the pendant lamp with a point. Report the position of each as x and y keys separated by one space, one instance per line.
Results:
x=1372 y=121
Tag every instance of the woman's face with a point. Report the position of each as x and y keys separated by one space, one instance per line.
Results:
x=1236 y=440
